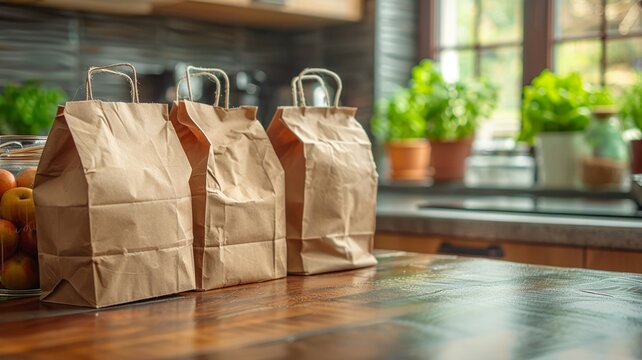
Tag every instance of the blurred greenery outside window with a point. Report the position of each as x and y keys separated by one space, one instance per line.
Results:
x=600 y=39
x=484 y=38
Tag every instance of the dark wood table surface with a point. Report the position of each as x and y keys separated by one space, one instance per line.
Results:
x=409 y=306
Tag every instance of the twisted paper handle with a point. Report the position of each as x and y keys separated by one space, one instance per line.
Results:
x=211 y=76
x=320 y=71
x=211 y=70
x=295 y=100
x=105 y=69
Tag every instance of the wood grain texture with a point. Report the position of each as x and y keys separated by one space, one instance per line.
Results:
x=409 y=306
x=539 y=254
x=292 y=14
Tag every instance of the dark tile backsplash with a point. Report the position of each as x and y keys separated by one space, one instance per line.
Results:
x=57 y=46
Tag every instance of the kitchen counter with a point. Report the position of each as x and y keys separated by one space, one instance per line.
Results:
x=400 y=211
x=409 y=306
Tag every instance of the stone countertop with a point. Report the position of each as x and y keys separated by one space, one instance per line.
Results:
x=399 y=211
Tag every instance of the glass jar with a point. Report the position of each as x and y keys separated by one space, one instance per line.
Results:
x=605 y=165
x=19 y=157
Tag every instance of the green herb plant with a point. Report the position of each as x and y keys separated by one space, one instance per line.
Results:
x=631 y=104
x=397 y=118
x=28 y=109
x=559 y=103
x=433 y=108
x=452 y=110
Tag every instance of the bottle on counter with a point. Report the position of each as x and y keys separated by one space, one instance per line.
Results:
x=606 y=163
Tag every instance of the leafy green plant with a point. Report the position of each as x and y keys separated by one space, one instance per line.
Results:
x=28 y=109
x=452 y=110
x=558 y=103
x=631 y=104
x=432 y=108
x=397 y=118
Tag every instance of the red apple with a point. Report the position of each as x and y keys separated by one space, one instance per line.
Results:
x=7 y=181
x=8 y=239
x=17 y=206
x=19 y=272
x=29 y=241
x=26 y=177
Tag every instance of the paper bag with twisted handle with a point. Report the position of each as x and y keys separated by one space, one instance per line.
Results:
x=331 y=184
x=237 y=191
x=113 y=204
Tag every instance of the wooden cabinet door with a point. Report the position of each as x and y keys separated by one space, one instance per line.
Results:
x=614 y=260
x=273 y=14
x=541 y=254
x=347 y=10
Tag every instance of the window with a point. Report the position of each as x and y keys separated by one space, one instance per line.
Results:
x=484 y=38
x=602 y=39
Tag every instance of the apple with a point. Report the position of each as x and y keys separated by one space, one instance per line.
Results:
x=19 y=272
x=29 y=241
x=26 y=177
x=8 y=239
x=17 y=206
x=7 y=181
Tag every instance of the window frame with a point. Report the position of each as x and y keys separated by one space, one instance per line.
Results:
x=603 y=37
x=538 y=43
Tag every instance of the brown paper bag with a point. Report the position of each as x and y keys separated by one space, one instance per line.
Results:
x=237 y=192
x=113 y=204
x=331 y=184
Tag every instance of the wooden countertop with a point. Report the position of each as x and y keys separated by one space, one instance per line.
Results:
x=409 y=306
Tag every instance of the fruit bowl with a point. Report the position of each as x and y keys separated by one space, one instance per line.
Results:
x=19 y=156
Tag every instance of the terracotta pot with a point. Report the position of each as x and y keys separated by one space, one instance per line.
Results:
x=409 y=159
x=636 y=157
x=449 y=158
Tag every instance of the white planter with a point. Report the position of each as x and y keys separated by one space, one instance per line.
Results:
x=559 y=159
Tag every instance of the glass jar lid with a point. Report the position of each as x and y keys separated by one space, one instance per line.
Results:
x=21 y=147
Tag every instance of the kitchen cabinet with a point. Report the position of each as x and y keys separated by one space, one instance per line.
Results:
x=554 y=255
x=255 y=13
x=266 y=13
x=120 y=7
x=518 y=251
x=615 y=260
x=410 y=305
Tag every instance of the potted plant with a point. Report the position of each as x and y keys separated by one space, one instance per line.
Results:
x=631 y=114
x=452 y=112
x=28 y=109
x=398 y=123
x=555 y=111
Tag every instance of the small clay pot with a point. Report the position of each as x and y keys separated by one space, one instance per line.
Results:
x=448 y=158
x=409 y=159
